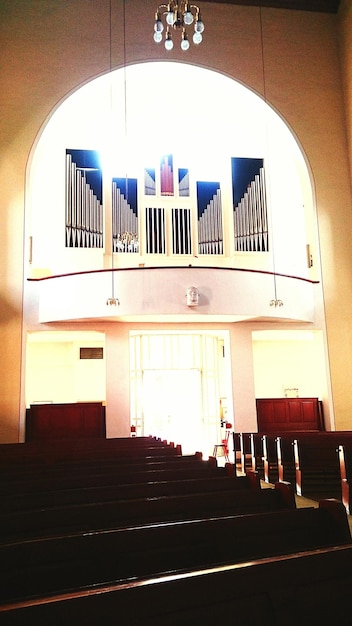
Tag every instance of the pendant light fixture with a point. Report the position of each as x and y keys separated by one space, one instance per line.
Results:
x=178 y=17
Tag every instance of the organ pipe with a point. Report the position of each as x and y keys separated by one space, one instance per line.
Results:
x=83 y=211
x=250 y=217
x=210 y=227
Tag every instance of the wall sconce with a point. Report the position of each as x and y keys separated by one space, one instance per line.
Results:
x=309 y=256
x=192 y=296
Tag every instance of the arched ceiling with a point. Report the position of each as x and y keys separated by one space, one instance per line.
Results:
x=322 y=6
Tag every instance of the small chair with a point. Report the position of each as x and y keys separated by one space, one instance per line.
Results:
x=222 y=449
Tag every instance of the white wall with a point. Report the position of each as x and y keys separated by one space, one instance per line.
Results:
x=55 y=372
x=288 y=360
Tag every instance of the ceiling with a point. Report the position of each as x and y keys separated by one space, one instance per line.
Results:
x=322 y=6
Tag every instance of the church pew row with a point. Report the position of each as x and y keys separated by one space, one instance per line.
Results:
x=115 y=514
x=302 y=588
x=123 y=465
x=48 y=462
x=129 y=474
x=42 y=567
x=53 y=462
x=104 y=474
x=271 y=455
x=260 y=452
x=127 y=491
x=91 y=465
x=312 y=461
x=63 y=450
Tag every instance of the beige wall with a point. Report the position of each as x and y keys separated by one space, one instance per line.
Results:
x=49 y=48
x=294 y=362
x=56 y=373
x=345 y=45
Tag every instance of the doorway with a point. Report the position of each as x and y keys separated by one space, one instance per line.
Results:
x=172 y=406
x=178 y=382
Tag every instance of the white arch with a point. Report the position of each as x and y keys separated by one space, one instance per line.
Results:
x=133 y=115
x=201 y=116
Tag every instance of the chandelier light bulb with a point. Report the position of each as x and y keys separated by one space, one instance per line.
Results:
x=184 y=42
x=199 y=25
x=197 y=38
x=187 y=15
x=158 y=36
x=170 y=17
x=169 y=44
x=158 y=25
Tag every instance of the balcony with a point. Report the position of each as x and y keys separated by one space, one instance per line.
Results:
x=160 y=293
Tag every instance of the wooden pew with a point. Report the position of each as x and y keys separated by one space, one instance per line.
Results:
x=120 y=465
x=114 y=514
x=264 y=456
x=127 y=475
x=286 y=459
x=236 y=442
x=259 y=453
x=309 y=460
x=127 y=491
x=256 y=453
x=35 y=467
x=46 y=566
x=317 y=463
x=286 y=590
x=246 y=452
x=289 y=462
x=26 y=464
x=317 y=469
x=71 y=448
x=278 y=460
x=345 y=463
x=55 y=452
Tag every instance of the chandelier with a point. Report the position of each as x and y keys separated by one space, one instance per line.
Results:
x=179 y=16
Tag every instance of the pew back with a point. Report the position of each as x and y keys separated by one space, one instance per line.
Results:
x=129 y=491
x=45 y=566
x=284 y=590
x=114 y=514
